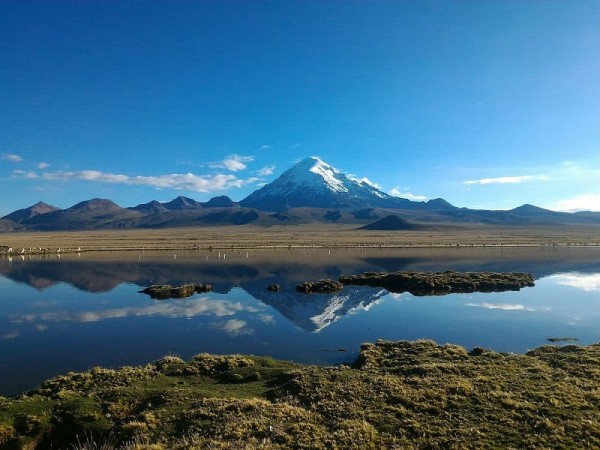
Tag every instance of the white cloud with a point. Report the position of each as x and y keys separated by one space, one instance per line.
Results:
x=502 y=306
x=11 y=157
x=267 y=170
x=191 y=182
x=234 y=163
x=267 y=319
x=43 y=165
x=397 y=192
x=585 y=282
x=583 y=202
x=24 y=173
x=188 y=181
x=11 y=335
x=265 y=147
x=96 y=175
x=183 y=308
x=578 y=169
x=235 y=327
x=508 y=180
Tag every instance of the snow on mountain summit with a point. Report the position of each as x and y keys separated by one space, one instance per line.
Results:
x=313 y=172
x=328 y=173
x=314 y=183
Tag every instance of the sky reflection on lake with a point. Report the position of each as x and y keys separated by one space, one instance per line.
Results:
x=76 y=313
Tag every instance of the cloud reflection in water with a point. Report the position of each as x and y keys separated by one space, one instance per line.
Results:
x=502 y=306
x=588 y=282
x=176 y=309
x=235 y=327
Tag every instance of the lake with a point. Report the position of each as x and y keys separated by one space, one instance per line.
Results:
x=74 y=312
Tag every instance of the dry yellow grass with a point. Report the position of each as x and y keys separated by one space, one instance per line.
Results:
x=318 y=235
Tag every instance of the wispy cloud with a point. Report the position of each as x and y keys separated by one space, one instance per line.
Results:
x=265 y=147
x=184 y=308
x=265 y=171
x=502 y=306
x=11 y=335
x=404 y=193
x=188 y=181
x=25 y=174
x=585 y=282
x=572 y=168
x=583 y=202
x=235 y=327
x=235 y=163
x=509 y=180
x=43 y=165
x=267 y=319
x=11 y=157
x=88 y=175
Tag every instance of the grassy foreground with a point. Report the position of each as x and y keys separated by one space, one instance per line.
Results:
x=398 y=395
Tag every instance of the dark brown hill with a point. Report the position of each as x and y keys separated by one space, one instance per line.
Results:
x=87 y=215
x=392 y=222
x=25 y=214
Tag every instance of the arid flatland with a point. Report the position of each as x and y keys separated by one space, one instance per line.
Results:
x=318 y=235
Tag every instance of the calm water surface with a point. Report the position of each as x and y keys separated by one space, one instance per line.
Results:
x=76 y=312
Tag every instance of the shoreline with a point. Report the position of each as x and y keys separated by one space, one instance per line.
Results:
x=300 y=237
x=62 y=251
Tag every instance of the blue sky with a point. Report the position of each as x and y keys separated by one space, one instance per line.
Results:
x=488 y=104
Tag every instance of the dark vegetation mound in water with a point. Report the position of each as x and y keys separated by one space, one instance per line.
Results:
x=441 y=283
x=562 y=339
x=164 y=291
x=319 y=287
x=397 y=395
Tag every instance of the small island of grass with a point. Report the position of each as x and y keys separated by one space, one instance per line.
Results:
x=441 y=283
x=166 y=291
x=396 y=395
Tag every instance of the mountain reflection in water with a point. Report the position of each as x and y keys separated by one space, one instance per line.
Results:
x=71 y=313
x=102 y=273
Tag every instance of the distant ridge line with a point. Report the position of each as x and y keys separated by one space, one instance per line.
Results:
x=311 y=191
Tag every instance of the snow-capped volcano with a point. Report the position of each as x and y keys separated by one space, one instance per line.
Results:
x=314 y=183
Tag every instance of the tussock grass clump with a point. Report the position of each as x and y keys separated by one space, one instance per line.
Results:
x=7 y=433
x=213 y=364
x=397 y=395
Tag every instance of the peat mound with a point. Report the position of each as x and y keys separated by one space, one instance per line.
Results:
x=442 y=283
x=165 y=291
x=320 y=287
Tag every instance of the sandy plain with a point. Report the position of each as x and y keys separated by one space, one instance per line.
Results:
x=316 y=235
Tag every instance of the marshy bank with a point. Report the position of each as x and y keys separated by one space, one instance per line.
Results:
x=397 y=394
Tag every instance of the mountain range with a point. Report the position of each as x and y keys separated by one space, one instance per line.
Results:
x=311 y=191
